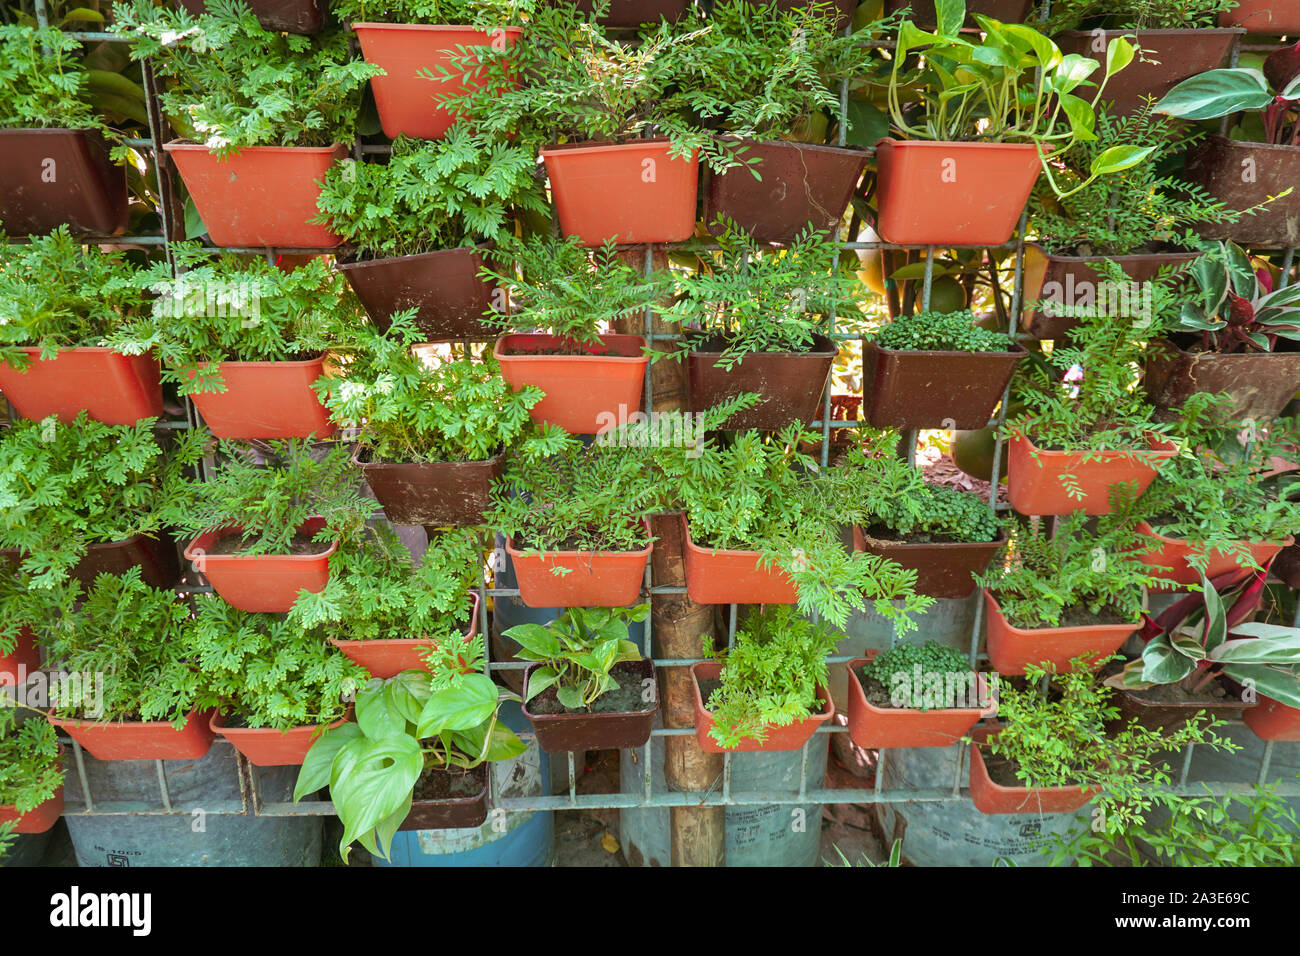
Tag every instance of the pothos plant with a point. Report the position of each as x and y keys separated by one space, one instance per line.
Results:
x=30 y=770
x=577 y=653
x=1268 y=98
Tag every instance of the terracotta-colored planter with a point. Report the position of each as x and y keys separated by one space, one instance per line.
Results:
x=37 y=820
x=1264 y=17
x=456 y=813
x=557 y=733
x=883 y=727
x=435 y=494
x=734 y=577
x=155 y=557
x=135 y=740
x=408 y=104
x=791 y=737
x=24 y=660
x=260 y=196
x=278 y=16
x=388 y=657
x=112 y=388
x=792 y=384
x=1260 y=383
x=1220 y=166
x=1074 y=280
x=266 y=400
x=1174 y=715
x=1010 y=648
x=943 y=570
x=803 y=186
x=1172 y=56
x=585 y=394
x=907 y=389
x=1034 y=486
x=272 y=748
x=55 y=177
x=268 y=582
x=1273 y=720
x=633 y=13
x=968 y=194
x=595 y=578
x=990 y=797
x=629 y=192
x=1173 y=554
x=444 y=286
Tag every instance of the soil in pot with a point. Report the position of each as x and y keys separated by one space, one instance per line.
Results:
x=792 y=384
x=1171 y=706
x=448 y=799
x=625 y=699
x=298 y=544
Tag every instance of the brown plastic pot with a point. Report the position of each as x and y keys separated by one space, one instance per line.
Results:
x=964 y=194
x=110 y=387
x=634 y=13
x=943 y=570
x=1286 y=567
x=595 y=578
x=1242 y=175
x=791 y=383
x=1076 y=277
x=37 y=820
x=444 y=287
x=456 y=813
x=260 y=196
x=878 y=728
x=557 y=733
x=435 y=494
x=803 y=186
x=388 y=657
x=1174 y=715
x=1034 y=486
x=155 y=557
x=585 y=394
x=1273 y=720
x=913 y=389
x=1264 y=17
x=1260 y=383
x=923 y=15
x=1171 y=57
x=272 y=748
x=278 y=16
x=267 y=582
x=1011 y=648
x=140 y=740
x=629 y=192
x=844 y=8
x=790 y=737
x=56 y=177
x=266 y=400
x=23 y=661
x=719 y=576
x=992 y=798
x=1174 y=552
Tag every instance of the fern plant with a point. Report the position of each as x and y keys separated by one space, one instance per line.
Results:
x=30 y=769
x=42 y=80
x=450 y=12
x=1136 y=14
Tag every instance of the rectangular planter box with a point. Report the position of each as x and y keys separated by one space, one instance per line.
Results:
x=434 y=494
x=1260 y=383
x=790 y=737
x=135 y=740
x=1034 y=484
x=1174 y=552
x=266 y=400
x=791 y=384
x=444 y=287
x=595 y=578
x=733 y=577
x=110 y=387
x=388 y=657
x=884 y=727
x=1217 y=164
x=950 y=390
x=272 y=748
x=56 y=177
x=261 y=583
x=459 y=813
x=1011 y=648
x=943 y=570
x=557 y=733
x=990 y=797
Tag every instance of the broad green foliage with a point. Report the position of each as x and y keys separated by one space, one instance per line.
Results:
x=30 y=771
x=577 y=651
x=1235 y=308
x=940 y=332
x=899 y=664
x=42 y=80
x=446 y=12
x=67 y=485
x=1266 y=98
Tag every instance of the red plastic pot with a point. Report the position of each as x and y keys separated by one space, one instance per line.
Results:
x=112 y=388
x=444 y=287
x=595 y=578
x=882 y=727
x=610 y=730
x=388 y=657
x=968 y=194
x=791 y=737
x=1173 y=554
x=914 y=389
x=990 y=797
x=24 y=660
x=1011 y=648
x=55 y=177
x=1035 y=486
x=272 y=748
x=923 y=15
x=719 y=576
x=268 y=582
x=260 y=196
x=791 y=384
x=407 y=102
x=1264 y=17
x=136 y=740
x=630 y=192
x=943 y=569
x=37 y=820
x=1273 y=720
x=585 y=394
x=266 y=400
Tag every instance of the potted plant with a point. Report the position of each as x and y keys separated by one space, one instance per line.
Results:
x=968 y=149
x=768 y=691
x=265 y=532
x=263 y=116
x=588 y=687
x=140 y=696
x=31 y=773
x=21 y=607
x=1050 y=600
x=415 y=757
x=588 y=377
x=419 y=224
x=48 y=128
x=432 y=433
x=389 y=613
x=1257 y=161
x=936 y=370
x=82 y=498
x=757 y=322
x=916 y=695
x=244 y=339
x=291 y=16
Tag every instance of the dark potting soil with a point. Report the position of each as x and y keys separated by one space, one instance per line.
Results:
x=301 y=544
x=568 y=544
x=626 y=699
x=709 y=684
x=1080 y=616
x=882 y=533
x=1002 y=770
x=443 y=785
x=1212 y=693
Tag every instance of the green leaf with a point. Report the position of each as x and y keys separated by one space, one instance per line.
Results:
x=1260 y=650
x=540 y=679
x=1216 y=93
x=569 y=697
x=949 y=16
x=315 y=770
x=1119 y=54
x=467 y=705
x=1118 y=158
x=538 y=641
x=1162 y=664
